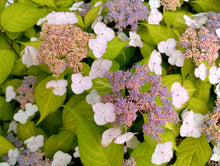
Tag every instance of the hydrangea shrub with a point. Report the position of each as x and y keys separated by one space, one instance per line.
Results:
x=117 y=82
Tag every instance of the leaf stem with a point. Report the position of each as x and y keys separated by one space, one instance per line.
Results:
x=10 y=44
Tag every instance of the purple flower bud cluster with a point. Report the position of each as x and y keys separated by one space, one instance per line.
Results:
x=27 y=158
x=86 y=7
x=129 y=162
x=63 y=46
x=26 y=91
x=14 y=140
x=139 y=90
x=170 y=4
x=212 y=125
x=126 y=12
x=213 y=22
x=199 y=46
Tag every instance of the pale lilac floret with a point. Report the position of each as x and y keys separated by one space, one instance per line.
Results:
x=179 y=95
x=59 y=86
x=104 y=113
x=4 y=164
x=135 y=40
x=218 y=32
x=59 y=18
x=61 y=159
x=21 y=117
x=80 y=83
x=12 y=127
x=154 y=3
x=77 y=6
x=12 y=156
x=167 y=47
x=30 y=109
x=197 y=21
x=76 y=154
x=201 y=71
x=99 y=68
x=214 y=75
x=176 y=58
x=10 y=93
x=216 y=154
x=103 y=31
x=217 y=90
x=34 y=143
x=162 y=154
x=29 y=57
x=155 y=17
x=98 y=46
x=192 y=124
x=124 y=137
x=109 y=135
x=93 y=97
x=155 y=62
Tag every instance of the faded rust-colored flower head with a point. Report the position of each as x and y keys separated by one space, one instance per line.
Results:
x=63 y=46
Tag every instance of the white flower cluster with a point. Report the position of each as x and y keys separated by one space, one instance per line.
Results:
x=175 y=56
x=22 y=116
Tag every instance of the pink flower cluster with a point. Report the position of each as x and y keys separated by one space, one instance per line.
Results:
x=170 y=4
x=211 y=126
x=63 y=46
x=26 y=91
x=199 y=46
x=129 y=95
x=125 y=13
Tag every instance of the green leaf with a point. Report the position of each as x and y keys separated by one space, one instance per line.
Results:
x=125 y=55
x=46 y=101
x=190 y=87
x=62 y=141
x=80 y=21
x=193 y=152
x=142 y=154
x=19 y=68
x=12 y=82
x=115 y=66
x=28 y=130
x=7 y=60
x=168 y=136
x=159 y=33
x=2 y=4
x=114 y=48
x=19 y=17
x=203 y=92
x=145 y=35
x=52 y=123
x=90 y=148
x=14 y=35
x=175 y=18
x=102 y=86
x=205 y=5
x=197 y=105
x=146 y=50
x=85 y=69
x=63 y=3
x=6 y=111
x=78 y=104
x=91 y=16
x=187 y=68
x=168 y=80
x=5 y=145
x=49 y=3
